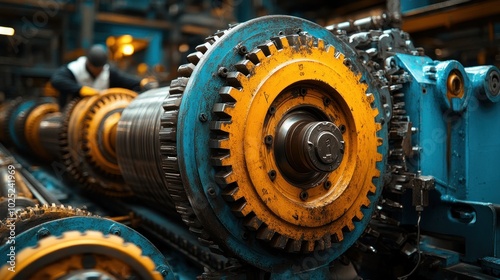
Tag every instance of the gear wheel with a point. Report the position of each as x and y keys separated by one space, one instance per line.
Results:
x=33 y=216
x=293 y=204
x=87 y=141
x=216 y=103
x=72 y=252
x=99 y=128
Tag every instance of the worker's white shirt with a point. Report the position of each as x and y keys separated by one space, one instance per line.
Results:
x=84 y=78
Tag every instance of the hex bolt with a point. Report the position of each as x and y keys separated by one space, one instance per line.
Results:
x=347 y=62
x=242 y=50
x=272 y=175
x=494 y=83
x=304 y=195
x=272 y=110
x=222 y=72
x=342 y=128
x=203 y=117
x=162 y=269
x=268 y=140
x=211 y=191
x=244 y=236
x=115 y=230
x=42 y=233
x=327 y=185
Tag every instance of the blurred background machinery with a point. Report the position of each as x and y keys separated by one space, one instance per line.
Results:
x=279 y=148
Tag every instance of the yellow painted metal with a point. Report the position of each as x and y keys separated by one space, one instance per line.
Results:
x=327 y=212
x=32 y=126
x=90 y=125
x=112 y=255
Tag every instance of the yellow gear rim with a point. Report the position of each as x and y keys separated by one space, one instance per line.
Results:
x=273 y=207
x=100 y=119
x=91 y=150
x=54 y=257
x=32 y=128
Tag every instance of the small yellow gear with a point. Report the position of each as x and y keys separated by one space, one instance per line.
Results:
x=297 y=202
x=54 y=257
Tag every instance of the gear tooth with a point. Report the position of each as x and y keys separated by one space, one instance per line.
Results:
x=236 y=79
x=320 y=244
x=229 y=94
x=220 y=125
x=308 y=246
x=212 y=39
x=223 y=110
x=223 y=143
x=293 y=246
x=256 y=56
x=358 y=216
x=240 y=209
x=221 y=160
x=375 y=112
x=338 y=236
x=376 y=173
x=203 y=48
x=349 y=226
x=269 y=48
x=380 y=141
x=252 y=222
x=280 y=42
x=279 y=241
x=265 y=233
x=186 y=70
x=293 y=40
x=378 y=127
x=224 y=178
x=370 y=98
x=366 y=201
x=245 y=66
x=232 y=194
x=321 y=44
x=194 y=57
x=379 y=157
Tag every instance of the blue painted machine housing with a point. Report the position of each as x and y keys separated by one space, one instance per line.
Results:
x=456 y=142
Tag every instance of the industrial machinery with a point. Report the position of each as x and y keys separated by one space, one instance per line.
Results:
x=291 y=149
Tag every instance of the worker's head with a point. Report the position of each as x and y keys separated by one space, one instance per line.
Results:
x=97 y=57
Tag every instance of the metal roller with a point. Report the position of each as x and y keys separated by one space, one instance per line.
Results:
x=137 y=145
x=50 y=128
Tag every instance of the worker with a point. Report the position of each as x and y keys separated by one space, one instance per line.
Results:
x=90 y=74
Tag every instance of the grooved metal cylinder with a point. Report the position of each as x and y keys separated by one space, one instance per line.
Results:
x=137 y=146
x=50 y=128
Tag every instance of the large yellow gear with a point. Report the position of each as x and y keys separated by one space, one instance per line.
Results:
x=298 y=198
x=91 y=137
x=55 y=257
x=32 y=127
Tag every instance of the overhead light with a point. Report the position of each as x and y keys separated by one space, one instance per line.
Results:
x=128 y=49
x=183 y=48
x=9 y=31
